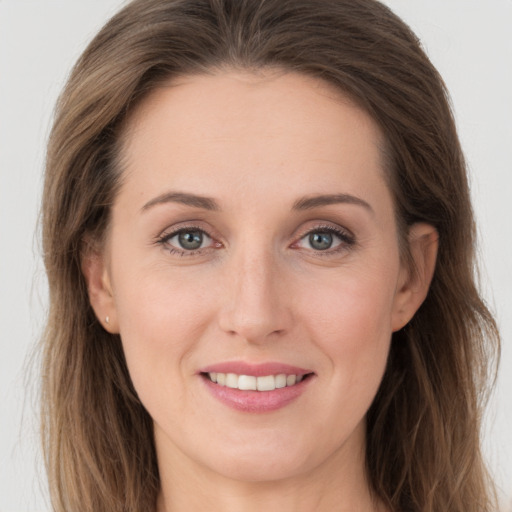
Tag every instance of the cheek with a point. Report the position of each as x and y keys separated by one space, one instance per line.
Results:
x=160 y=322
x=354 y=309
x=154 y=303
x=351 y=324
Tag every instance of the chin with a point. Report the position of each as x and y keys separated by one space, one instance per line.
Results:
x=262 y=461
x=260 y=468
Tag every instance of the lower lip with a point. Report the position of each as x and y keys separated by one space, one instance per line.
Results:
x=256 y=401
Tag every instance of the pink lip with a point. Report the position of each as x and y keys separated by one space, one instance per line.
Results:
x=257 y=370
x=256 y=401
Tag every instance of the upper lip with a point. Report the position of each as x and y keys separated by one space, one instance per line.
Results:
x=256 y=370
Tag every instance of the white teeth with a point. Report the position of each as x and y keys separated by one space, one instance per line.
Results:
x=231 y=380
x=252 y=383
x=291 y=380
x=247 y=382
x=281 y=381
x=221 y=379
x=267 y=383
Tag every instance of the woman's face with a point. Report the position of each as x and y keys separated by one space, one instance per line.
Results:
x=253 y=242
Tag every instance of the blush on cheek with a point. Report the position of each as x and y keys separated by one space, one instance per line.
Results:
x=353 y=327
x=159 y=325
x=357 y=311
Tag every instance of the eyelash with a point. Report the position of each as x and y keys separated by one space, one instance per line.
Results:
x=347 y=240
x=163 y=240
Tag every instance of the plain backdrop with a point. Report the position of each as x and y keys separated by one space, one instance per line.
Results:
x=468 y=40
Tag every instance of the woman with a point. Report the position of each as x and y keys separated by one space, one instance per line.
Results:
x=259 y=244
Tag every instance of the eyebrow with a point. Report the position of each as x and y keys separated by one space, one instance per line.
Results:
x=304 y=203
x=307 y=203
x=206 y=203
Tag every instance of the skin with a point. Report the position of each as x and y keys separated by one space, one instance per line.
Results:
x=257 y=290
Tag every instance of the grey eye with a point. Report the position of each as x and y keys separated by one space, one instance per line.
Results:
x=190 y=240
x=320 y=241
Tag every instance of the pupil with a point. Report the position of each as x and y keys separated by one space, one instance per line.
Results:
x=191 y=240
x=320 y=241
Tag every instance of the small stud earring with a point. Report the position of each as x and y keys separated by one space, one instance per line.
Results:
x=107 y=320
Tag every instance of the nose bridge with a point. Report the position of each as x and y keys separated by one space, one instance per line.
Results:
x=255 y=306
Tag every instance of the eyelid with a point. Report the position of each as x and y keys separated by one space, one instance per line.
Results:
x=187 y=224
x=346 y=237
x=319 y=225
x=170 y=236
x=170 y=232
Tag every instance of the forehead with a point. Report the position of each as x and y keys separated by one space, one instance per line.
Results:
x=264 y=99
x=203 y=131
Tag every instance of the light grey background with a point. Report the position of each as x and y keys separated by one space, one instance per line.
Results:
x=468 y=40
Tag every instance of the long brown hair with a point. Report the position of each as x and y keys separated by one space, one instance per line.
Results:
x=423 y=446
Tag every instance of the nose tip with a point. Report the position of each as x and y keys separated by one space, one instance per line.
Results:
x=250 y=328
x=256 y=306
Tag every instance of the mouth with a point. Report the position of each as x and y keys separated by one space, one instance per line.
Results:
x=263 y=383
x=256 y=388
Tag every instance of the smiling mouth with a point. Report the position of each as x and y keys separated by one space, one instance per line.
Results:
x=252 y=383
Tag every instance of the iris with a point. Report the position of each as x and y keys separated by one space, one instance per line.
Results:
x=320 y=240
x=190 y=240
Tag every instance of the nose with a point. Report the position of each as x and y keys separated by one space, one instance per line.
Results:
x=255 y=305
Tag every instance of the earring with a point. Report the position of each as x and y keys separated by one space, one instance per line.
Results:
x=107 y=320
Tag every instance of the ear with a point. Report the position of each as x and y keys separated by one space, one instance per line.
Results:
x=416 y=275
x=99 y=288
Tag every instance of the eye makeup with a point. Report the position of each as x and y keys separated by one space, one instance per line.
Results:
x=192 y=240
